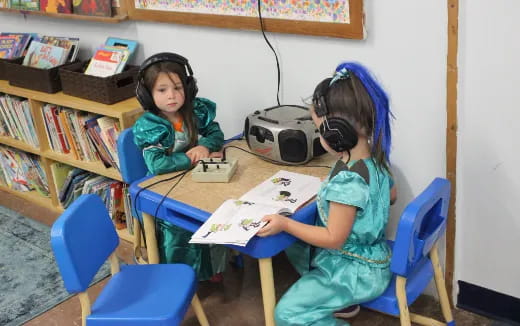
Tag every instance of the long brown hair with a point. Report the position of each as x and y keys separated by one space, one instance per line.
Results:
x=348 y=98
x=186 y=111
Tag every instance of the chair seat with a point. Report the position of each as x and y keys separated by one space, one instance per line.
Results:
x=145 y=295
x=415 y=285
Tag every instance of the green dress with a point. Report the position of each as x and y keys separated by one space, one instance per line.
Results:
x=357 y=273
x=164 y=152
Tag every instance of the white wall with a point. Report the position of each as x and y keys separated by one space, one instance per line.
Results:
x=407 y=52
x=488 y=196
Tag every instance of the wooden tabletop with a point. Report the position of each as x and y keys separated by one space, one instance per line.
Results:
x=251 y=171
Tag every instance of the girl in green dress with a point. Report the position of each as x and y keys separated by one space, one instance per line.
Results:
x=176 y=131
x=343 y=258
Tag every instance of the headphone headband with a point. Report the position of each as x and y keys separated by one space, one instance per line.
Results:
x=165 y=56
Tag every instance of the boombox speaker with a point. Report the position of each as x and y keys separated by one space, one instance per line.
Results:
x=283 y=134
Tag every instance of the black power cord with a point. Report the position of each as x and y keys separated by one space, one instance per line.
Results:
x=269 y=43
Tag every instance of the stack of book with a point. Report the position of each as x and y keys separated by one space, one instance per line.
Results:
x=13 y=45
x=21 y=171
x=16 y=120
x=51 y=51
x=111 y=57
x=72 y=182
x=88 y=137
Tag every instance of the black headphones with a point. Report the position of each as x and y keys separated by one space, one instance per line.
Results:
x=143 y=94
x=338 y=133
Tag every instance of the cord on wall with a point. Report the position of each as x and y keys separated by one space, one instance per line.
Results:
x=269 y=43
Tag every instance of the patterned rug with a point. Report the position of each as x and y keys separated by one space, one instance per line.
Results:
x=30 y=283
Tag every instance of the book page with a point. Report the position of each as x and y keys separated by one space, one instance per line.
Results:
x=234 y=222
x=284 y=190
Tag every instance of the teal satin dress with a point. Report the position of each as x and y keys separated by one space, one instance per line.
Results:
x=357 y=273
x=164 y=151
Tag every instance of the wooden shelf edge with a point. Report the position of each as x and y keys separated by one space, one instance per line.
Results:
x=115 y=110
x=33 y=196
x=94 y=167
x=19 y=145
x=111 y=20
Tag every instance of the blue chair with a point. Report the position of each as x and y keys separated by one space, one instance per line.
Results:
x=415 y=258
x=82 y=239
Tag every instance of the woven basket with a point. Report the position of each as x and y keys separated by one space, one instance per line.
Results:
x=3 y=70
x=107 y=90
x=43 y=80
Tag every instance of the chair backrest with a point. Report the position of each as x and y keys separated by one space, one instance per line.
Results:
x=131 y=161
x=423 y=221
x=82 y=239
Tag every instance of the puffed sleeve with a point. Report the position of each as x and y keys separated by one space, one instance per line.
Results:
x=155 y=136
x=212 y=136
x=348 y=188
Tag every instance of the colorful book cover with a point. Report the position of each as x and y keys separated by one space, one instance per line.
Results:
x=130 y=45
x=92 y=7
x=30 y=5
x=56 y=6
x=106 y=62
x=5 y=4
x=44 y=56
x=15 y=4
x=8 y=46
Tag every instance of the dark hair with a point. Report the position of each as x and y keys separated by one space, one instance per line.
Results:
x=348 y=98
x=186 y=111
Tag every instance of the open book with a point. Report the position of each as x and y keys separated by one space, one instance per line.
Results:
x=236 y=221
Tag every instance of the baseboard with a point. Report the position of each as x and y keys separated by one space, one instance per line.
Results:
x=488 y=303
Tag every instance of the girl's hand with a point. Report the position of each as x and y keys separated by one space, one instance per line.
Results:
x=197 y=153
x=216 y=154
x=275 y=224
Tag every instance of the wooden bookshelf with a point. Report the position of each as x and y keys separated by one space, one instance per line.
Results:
x=120 y=15
x=125 y=112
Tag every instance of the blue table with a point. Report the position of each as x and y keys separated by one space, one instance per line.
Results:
x=190 y=204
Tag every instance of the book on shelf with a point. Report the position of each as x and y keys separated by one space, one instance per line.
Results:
x=22 y=40
x=45 y=56
x=70 y=44
x=92 y=7
x=5 y=4
x=236 y=221
x=8 y=46
x=22 y=171
x=107 y=61
x=29 y=5
x=130 y=45
x=56 y=6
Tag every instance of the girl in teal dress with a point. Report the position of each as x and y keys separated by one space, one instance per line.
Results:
x=343 y=258
x=176 y=131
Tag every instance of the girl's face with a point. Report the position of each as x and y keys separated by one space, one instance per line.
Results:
x=168 y=93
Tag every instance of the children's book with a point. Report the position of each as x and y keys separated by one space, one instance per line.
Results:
x=45 y=56
x=107 y=61
x=121 y=43
x=236 y=221
x=56 y=6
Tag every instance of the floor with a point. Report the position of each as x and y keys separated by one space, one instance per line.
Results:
x=234 y=302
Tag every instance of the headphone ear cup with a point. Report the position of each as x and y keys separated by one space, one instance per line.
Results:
x=191 y=88
x=143 y=96
x=339 y=134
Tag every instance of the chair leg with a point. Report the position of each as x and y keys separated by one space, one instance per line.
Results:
x=441 y=286
x=151 y=240
x=268 y=292
x=85 y=307
x=400 y=291
x=199 y=312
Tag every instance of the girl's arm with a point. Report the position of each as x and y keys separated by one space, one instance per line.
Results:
x=393 y=195
x=212 y=136
x=333 y=236
x=159 y=161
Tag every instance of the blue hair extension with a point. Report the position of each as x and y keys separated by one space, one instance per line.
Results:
x=380 y=101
